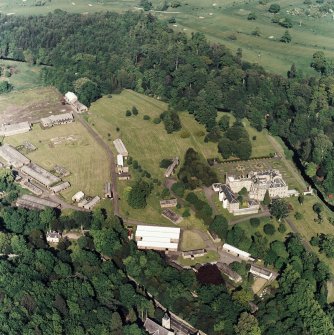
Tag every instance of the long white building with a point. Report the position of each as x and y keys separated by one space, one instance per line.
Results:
x=120 y=147
x=158 y=238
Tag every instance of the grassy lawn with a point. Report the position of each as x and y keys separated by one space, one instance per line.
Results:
x=146 y=142
x=191 y=240
x=307 y=227
x=211 y=256
x=24 y=76
x=76 y=151
x=250 y=230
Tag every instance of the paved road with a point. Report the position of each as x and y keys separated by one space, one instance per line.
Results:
x=111 y=158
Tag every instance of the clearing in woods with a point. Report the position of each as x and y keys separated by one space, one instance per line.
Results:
x=31 y=105
x=71 y=147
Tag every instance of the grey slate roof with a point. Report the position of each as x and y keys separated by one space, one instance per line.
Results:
x=229 y=194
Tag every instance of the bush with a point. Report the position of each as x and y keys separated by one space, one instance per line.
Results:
x=165 y=163
x=184 y=134
x=269 y=229
x=128 y=113
x=178 y=189
x=135 y=164
x=274 y=8
x=172 y=19
x=298 y=216
x=186 y=213
x=200 y=133
x=146 y=117
x=282 y=228
x=251 y=16
x=135 y=110
x=156 y=120
x=255 y=222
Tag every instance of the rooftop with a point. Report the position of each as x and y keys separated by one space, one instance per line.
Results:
x=120 y=147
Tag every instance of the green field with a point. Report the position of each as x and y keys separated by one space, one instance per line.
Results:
x=69 y=146
x=307 y=227
x=191 y=241
x=24 y=76
x=223 y=21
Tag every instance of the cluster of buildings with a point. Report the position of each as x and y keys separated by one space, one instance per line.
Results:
x=32 y=202
x=73 y=100
x=85 y=202
x=256 y=184
x=122 y=155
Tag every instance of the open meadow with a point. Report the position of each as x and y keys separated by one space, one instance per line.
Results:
x=71 y=147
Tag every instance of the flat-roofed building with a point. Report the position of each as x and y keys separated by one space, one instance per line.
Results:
x=237 y=252
x=41 y=175
x=261 y=272
x=158 y=238
x=60 y=187
x=12 y=156
x=14 y=128
x=52 y=120
x=169 y=203
x=77 y=197
x=120 y=147
x=92 y=203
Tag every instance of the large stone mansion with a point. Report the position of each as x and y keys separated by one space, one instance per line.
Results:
x=256 y=184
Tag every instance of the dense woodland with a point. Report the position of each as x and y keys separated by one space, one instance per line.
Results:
x=73 y=290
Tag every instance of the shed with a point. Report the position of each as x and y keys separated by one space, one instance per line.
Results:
x=92 y=203
x=120 y=147
x=71 y=98
x=120 y=161
x=77 y=197
x=61 y=187
x=237 y=252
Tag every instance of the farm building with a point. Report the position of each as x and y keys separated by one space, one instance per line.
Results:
x=32 y=202
x=60 y=187
x=120 y=147
x=194 y=253
x=14 y=129
x=168 y=203
x=120 y=161
x=52 y=120
x=39 y=174
x=12 y=156
x=124 y=176
x=53 y=236
x=108 y=191
x=70 y=98
x=261 y=272
x=237 y=252
x=92 y=203
x=171 y=168
x=77 y=197
x=226 y=270
x=31 y=187
x=171 y=216
x=157 y=238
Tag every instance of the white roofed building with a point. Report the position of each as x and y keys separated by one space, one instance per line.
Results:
x=120 y=161
x=77 y=197
x=158 y=238
x=237 y=252
x=71 y=98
